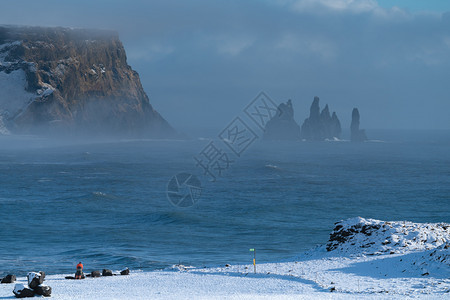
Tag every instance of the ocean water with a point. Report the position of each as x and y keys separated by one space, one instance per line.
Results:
x=105 y=203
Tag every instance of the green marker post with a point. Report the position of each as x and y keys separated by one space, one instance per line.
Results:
x=254 y=259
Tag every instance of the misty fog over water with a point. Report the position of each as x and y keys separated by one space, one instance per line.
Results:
x=106 y=201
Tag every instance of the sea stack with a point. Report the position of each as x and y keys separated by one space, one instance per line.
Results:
x=357 y=135
x=320 y=125
x=72 y=81
x=282 y=126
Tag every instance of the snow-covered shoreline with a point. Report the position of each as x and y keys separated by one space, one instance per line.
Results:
x=370 y=260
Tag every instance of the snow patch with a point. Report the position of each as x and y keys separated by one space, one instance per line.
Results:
x=18 y=287
x=13 y=96
x=4 y=51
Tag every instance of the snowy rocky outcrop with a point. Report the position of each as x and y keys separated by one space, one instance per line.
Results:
x=60 y=80
x=374 y=237
x=320 y=125
x=282 y=126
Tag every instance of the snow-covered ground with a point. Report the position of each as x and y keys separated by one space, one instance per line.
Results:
x=370 y=259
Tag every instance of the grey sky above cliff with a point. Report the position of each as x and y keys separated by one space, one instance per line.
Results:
x=202 y=61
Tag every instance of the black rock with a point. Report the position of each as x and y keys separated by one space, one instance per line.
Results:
x=34 y=279
x=357 y=135
x=43 y=290
x=96 y=274
x=282 y=126
x=125 y=272
x=42 y=275
x=320 y=125
x=107 y=272
x=20 y=291
x=9 y=279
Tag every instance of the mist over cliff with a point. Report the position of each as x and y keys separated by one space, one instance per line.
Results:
x=72 y=81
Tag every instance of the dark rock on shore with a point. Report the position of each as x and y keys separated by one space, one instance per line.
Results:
x=77 y=82
x=42 y=275
x=320 y=125
x=95 y=274
x=20 y=291
x=107 y=272
x=357 y=135
x=34 y=280
x=9 y=279
x=282 y=126
x=43 y=290
x=125 y=272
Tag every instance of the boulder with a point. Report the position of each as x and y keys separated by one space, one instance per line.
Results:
x=20 y=291
x=125 y=272
x=107 y=272
x=34 y=279
x=9 y=279
x=96 y=274
x=43 y=290
x=42 y=275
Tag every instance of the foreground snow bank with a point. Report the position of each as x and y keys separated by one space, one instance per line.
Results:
x=415 y=265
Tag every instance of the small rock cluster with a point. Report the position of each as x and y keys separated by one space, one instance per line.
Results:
x=107 y=272
x=35 y=286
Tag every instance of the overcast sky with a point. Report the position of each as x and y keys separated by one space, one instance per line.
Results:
x=202 y=61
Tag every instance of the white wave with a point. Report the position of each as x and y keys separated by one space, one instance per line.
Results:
x=274 y=167
x=335 y=139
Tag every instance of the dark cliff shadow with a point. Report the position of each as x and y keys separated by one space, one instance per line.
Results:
x=398 y=266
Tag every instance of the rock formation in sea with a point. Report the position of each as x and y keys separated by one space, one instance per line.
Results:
x=72 y=81
x=357 y=135
x=320 y=125
x=282 y=126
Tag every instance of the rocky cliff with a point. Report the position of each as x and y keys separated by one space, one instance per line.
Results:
x=357 y=135
x=282 y=126
x=320 y=125
x=72 y=81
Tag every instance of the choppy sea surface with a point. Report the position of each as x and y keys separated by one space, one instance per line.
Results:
x=105 y=203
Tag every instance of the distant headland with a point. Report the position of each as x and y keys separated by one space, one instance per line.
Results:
x=72 y=81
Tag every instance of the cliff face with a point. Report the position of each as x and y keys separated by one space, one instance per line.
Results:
x=282 y=126
x=72 y=81
x=320 y=125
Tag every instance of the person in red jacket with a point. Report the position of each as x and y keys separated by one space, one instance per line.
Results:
x=79 y=273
